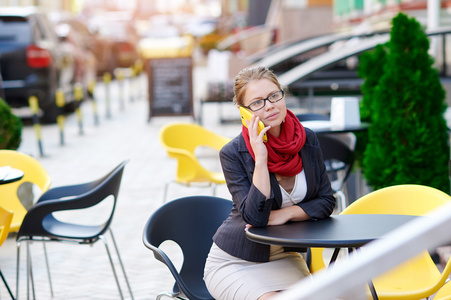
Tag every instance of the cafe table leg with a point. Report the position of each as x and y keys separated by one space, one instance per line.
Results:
x=372 y=290
x=370 y=283
x=334 y=256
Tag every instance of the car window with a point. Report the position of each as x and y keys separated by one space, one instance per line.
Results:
x=47 y=27
x=38 y=35
x=14 y=30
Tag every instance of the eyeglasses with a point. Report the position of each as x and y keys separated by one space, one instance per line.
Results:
x=260 y=103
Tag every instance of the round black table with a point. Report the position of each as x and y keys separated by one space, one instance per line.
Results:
x=8 y=174
x=337 y=231
x=325 y=126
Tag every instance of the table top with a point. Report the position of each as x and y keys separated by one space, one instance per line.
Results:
x=337 y=231
x=325 y=126
x=8 y=174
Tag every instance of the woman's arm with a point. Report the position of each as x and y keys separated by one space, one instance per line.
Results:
x=238 y=167
x=261 y=173
x=291 y=213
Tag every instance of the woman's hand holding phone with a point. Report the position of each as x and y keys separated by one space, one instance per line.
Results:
x=257 y=133
x=246 y=117
x=257 y=136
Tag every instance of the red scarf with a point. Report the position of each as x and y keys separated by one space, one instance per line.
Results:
x=283 y=152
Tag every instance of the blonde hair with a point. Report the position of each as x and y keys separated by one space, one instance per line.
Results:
x=250 y=74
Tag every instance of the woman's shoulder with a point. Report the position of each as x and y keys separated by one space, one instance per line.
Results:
x=310 y=136
x=233 y=145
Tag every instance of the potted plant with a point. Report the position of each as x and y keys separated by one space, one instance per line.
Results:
x=405 y=102
x=10 y=128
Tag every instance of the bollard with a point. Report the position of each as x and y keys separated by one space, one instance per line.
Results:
x=139 y=67
x=106 y=81
x=91 y=87
x=34 y=106
x=120 y=78
x=131 y=84
x=78 y=95
x=60 y=119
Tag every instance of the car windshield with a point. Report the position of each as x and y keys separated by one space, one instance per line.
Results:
x=14 y=30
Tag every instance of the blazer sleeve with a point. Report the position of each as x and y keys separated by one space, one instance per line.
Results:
x=238 y=167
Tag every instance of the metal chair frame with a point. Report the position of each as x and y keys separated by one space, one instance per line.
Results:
x=39 y=224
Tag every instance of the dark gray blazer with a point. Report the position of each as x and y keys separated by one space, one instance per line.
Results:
x=250 y=205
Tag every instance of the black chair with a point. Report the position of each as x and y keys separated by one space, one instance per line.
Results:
x=40 y=224
x=339 y=159
x=190 y=222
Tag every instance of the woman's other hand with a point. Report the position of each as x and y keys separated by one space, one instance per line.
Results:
x=290 y=213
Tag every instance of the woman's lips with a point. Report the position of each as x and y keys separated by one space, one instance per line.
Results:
x=273 y=116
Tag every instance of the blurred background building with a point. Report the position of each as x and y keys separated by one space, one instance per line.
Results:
x=294 y=19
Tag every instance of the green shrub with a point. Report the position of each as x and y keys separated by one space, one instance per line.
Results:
x=405 y=102
x=10 y=128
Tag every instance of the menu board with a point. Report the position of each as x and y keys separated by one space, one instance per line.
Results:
x=170 y=86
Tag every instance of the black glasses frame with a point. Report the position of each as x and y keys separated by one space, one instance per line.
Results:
x=264 y=101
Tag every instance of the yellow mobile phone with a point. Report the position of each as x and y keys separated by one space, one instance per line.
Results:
x=247 y=115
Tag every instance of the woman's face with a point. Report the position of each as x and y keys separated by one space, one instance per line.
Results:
x=272 y=114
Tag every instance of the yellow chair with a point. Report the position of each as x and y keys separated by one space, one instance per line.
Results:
x=444 y=293
x=419 y=277
x=34 y=173
x=5 y=223
x=181 y=140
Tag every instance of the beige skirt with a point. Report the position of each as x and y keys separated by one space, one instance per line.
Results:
x=231 y=278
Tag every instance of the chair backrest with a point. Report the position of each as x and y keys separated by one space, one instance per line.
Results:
x=34 y=173
x=408 y=199
x=189 y=136
x=335 y=150
x=191 y=222
x=6 y=217
x=180 y=140
x=39 y=219
x=444 y=293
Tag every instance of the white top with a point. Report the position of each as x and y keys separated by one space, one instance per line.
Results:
x=297 y=194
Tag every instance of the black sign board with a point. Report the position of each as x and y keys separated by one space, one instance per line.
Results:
x=170 y=86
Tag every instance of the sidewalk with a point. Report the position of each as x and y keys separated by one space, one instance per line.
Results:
x=83 y=272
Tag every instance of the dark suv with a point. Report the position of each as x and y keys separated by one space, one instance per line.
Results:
x=31 y=61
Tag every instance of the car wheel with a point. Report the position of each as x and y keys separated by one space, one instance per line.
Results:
x=50 y=114
x=51 y=111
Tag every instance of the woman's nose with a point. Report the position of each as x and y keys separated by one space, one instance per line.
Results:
x=269 y=105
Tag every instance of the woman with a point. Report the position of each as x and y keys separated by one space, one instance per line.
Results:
x=271 y=183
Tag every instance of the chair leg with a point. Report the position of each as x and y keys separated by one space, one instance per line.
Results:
x=120 y=261
x=342 y=203
x=28 y=271
x=163 y=294
x=48 y=269
x=30 y=278
x=17 y=269
x=112 y=265
x=7 y=286
x=170 y=295
x=214 y=188
x=165 y=193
